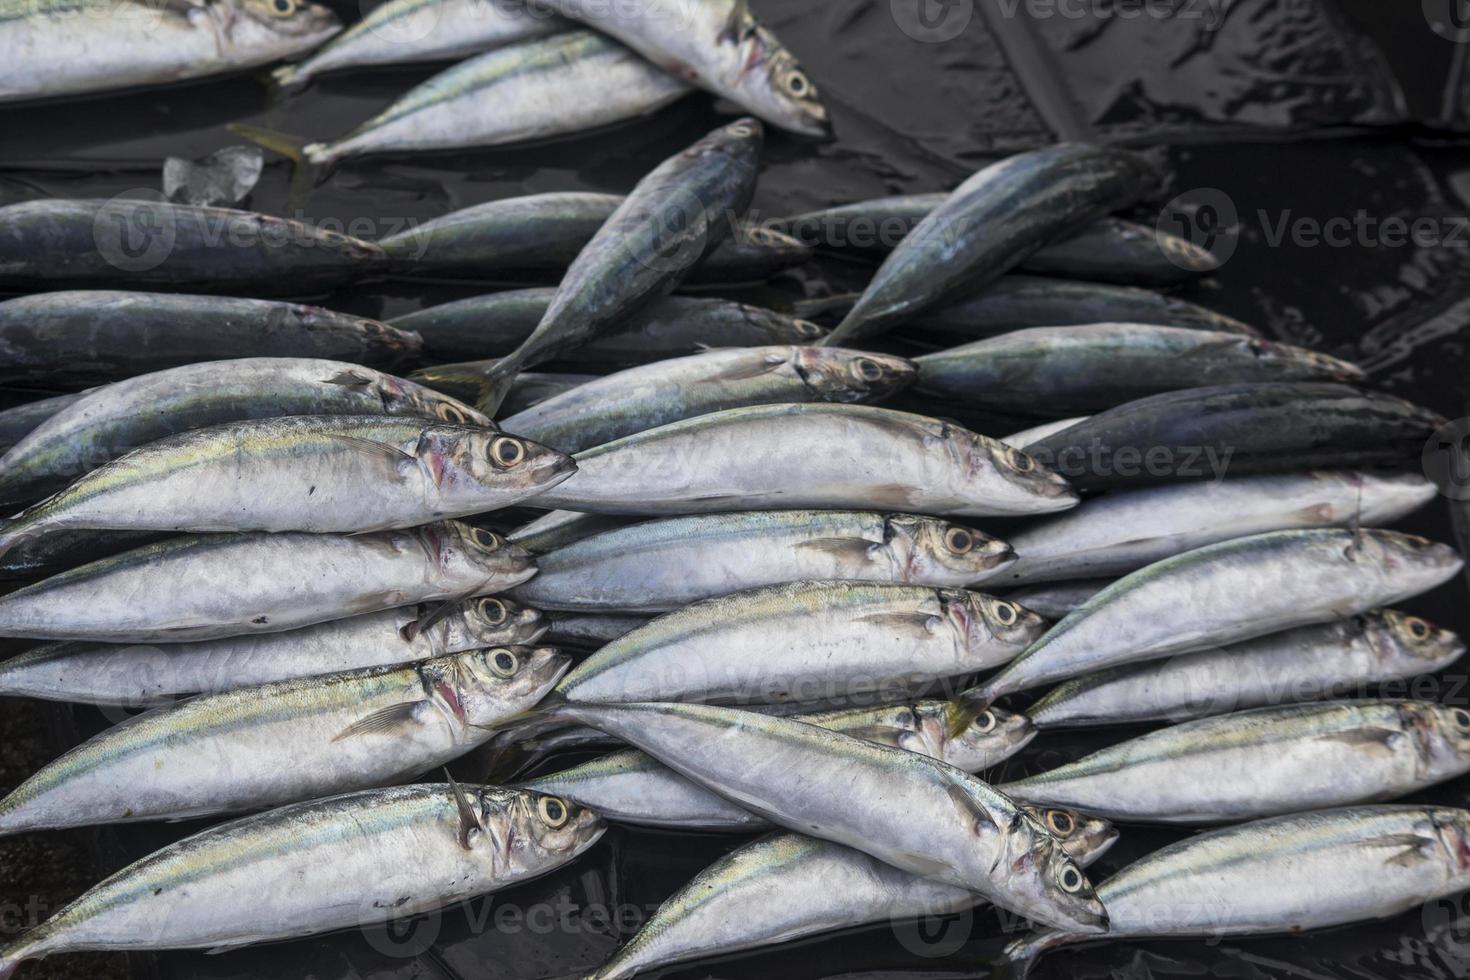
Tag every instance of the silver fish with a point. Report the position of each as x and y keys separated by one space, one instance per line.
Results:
x=1233 y=591
x=283 y=874
x=591 y=630
x=1054 y=600
x=1284 y=875
x=910 y=811
x=1263 y=762
x=811 y=456
x=214 y=586
x=659 y=566
x=222 y=753
x=1305 y=664
x=143 y=674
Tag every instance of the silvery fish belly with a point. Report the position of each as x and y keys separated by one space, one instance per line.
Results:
x=146 y=673
x=65 y=47
x=1264 y=762
x=338 y=863
x=222 y=753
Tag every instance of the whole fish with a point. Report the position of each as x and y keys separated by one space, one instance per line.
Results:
x=804 y=642
x=676 y=216
x=675 y=326
x=1263 y=762
x=786 y=886
x=810 y=456
x=1016 y=302
x=1305 y=664
x=409 y=31
x=590 y=630
x=142 y=674
x=532 y=388
x=1054 y=600
x=535 y=90
x=910 y=811
x=1202 y=433
x=717 y=45
x=659 y=566
x=630 y=787
x=1121 y=532
x=56 y=47
x=1028 y=437
x=1284 y=875
x=18 y=422
x=146 y=242
x=1066 y=371
x=222 y=753
x=317 y=473
x=111 y=421
x=284 y=874
x=77 y=338
x=992 y=223
x=1233 y=591
x=546 y=232
x=646 y=397
x=214 y=586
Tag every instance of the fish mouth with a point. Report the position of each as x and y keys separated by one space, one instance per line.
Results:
x=554 y=468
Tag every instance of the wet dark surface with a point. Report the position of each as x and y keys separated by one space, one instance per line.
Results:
x=1281 y=111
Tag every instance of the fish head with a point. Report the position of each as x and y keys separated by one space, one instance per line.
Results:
x=838 y=375
x=1407 y=645
x=775 y=86
x=1418 y=561
x=464 y=462
x=1048 y=883
x=1443 y=733
x=992 y=622
x=533 y=832
x=493 y=621
x=471 y=550
x=404 y=397
x=1015 y=481
x=929 y=549
x=988 y=738
x=1085 y=838
x=278 y=28
x=503 y=682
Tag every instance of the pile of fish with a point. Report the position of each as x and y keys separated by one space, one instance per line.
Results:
x=756 y=541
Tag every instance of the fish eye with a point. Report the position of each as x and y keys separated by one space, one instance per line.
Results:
x=507 y=452
x=984 y=723
x=493 y=611
x=488 y=540
x=1020 y=461
x=798 y=85
x=1417 y=628
x=553 y=811
x=867 y=369
x=504 y=663
x=807 y=328
x=1060 y=822
x=283 y=8
x=959 y=540
x=449 y=413
x=1462 y=718
x=1071 y=879
x=1007 y=614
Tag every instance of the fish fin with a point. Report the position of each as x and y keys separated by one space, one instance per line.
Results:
x=396 y=459
x=963 y=710
x=842 y=548
x=981 y=821
x=497 y=385
x=924 y=865
x=12 y=956
x=350 y=379
x=303 y=172
x=767 y=364
x=1381 y=739
x=440 y=613
x=919 y=624
x=383 y=722
x=1412 y=848
x=469 y=820
x=893 y=495
x=1021 y=956
x=288 y=78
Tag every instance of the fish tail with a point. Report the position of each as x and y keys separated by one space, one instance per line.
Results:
x=13 y=532
x=498 y=381
x=289 y=78
x=16 y=953
x=305 y=157
x=1021 y=956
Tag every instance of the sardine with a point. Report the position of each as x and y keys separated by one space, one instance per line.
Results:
x=284 y=874
x=144 y=674
x=222 y=753
x=1263 y=762
x=810 y=456
x=1232 y=591
x=214 y=586
x=659 y=566
x=1305 y=664
x=643 y=398
x=992 y=223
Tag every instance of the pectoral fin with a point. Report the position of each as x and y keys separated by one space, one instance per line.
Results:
x=350 y=379
x=389 y=721
x=917 y=623
x=980 y=820
x=469 y=820
x=398 y=461
x=1412 y=848
x=842 y=549
x=1384 y=740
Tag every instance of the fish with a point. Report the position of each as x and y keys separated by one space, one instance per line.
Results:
x=1282 y=875
x=1054 y=600
x=719 y=46
x=991 y=224
x=1121 y=532
x=209 y=587
x=590 y=629
x=1263 y=762
x=558 y=528
x=1068 y=371
x=646 y=397
x=1240 y=429
x=532 y=388
x=678 y=214
x=660 y=566
x=323 y=474
x=69 y=47
x=1016 y=302
x=145 y=242
x=18 y=422
x=1309 y=663
x=77 y=338
x=283 y=874
x=116 y=419
x=40 y=557
x=411 y=31
x=674 y=326
x=631 y=787
x=222 y=753
x=535 y=90
x=905 y=809
x=787 y=886
x=546 y=233
x=1234 y=591
x=1035 y=434
x=805 y=641
x=762 y=457
x=152 y=674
